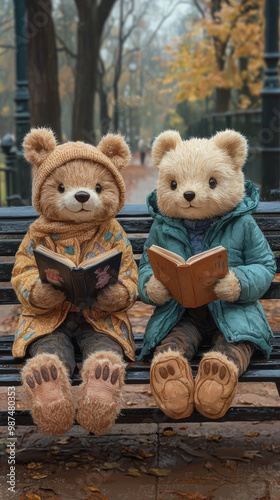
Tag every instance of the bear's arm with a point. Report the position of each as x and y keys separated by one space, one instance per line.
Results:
x=259 y=268
x=25 y=274
x=128 y=274
x=145 y=269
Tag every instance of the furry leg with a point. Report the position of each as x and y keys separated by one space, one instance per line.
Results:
x=172 y=384
x=215 y=385
x=47 y=387
x=100 y=400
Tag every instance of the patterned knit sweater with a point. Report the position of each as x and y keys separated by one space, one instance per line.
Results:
x=35 y=322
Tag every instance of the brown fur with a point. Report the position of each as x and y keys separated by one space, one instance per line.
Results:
x=51 y=402
x=76 y=175
x=38 y=144
x=113 y=298
x=156 y=291
x=174 y=393
x=45 y=296
x=116 y=149
x=100 y=401
x=214 y=393
x=228 y=288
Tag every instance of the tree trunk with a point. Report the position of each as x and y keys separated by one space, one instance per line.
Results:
x=42 y=66
x=105 y=119
x=222 y=100
x=92 y=18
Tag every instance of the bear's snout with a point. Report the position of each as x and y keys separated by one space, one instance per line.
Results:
x=189 y=195
x=82 y=196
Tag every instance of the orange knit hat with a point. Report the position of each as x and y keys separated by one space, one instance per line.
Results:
x=41 y=149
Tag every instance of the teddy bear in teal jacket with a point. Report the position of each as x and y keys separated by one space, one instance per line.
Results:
x=201 y=202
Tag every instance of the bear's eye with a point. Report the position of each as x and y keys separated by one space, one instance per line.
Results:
x=98 y=188
x=61 y=188
x=173 y=185
x=212 y=183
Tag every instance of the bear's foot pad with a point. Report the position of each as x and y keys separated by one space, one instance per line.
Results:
x=215 y=385
x=172 y=384
x=100 y=400
x=47 y=387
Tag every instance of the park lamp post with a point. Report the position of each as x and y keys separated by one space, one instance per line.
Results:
x=19 y=190
x=270 y=133
x=132 y=68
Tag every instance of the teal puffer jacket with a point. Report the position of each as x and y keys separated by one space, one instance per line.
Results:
x=249 y=256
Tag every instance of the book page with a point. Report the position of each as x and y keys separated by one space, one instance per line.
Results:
x=55 y=256
x=98 y=258
x=202 y=255
x=172 y=256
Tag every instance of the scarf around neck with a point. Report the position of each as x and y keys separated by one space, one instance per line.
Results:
x=82 y=231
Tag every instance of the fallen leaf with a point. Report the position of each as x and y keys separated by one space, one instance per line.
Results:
x=184 y=428
x=71 y=465
x=252 y=454
x=63 y=440
x=39 y=476
x=132 y=471
x=159 y=472
x=231 y=464
x=31 y=496
x=110 y=465
x=209 y=465
x=214 y=437
x=252 y=434
x=131 y=403
x=35 y=465
x=91 y=488
x=169 y=432
x=145 y=454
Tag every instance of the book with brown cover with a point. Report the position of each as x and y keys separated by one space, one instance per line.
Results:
x=83 y=284
x=189 y=282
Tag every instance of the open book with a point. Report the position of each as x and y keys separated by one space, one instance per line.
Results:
x=81 y=285
x=189 y=282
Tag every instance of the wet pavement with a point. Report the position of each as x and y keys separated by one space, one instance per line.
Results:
x=196 y=461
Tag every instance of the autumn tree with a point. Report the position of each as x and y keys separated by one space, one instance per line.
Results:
x=92 y=17
x=42 y=66
x=222 y=50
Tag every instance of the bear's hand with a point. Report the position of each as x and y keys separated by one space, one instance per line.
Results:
x=228 y=288
x=113 y=298
x=157 y=292
x=45 y=296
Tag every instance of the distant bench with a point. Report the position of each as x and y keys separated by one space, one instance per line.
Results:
x=136 y=221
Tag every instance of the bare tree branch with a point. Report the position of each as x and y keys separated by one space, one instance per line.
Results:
x=64 y=47
x=103 y=12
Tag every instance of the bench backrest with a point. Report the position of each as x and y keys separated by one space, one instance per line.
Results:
x=136 y=221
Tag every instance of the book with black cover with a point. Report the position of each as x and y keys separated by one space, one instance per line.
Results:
x=81 y=285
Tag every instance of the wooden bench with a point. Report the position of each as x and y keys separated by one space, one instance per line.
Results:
x=135 y=220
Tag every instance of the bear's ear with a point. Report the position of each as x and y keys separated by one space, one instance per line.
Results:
x=234 y=144
x=38 y=144
x=164 y=142
x=116 y=149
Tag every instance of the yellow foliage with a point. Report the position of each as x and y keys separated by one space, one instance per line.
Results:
x=208 y=55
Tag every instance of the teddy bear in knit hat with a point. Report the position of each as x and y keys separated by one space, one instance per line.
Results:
x=77 y=190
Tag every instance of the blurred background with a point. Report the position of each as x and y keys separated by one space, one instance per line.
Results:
x=86 y=67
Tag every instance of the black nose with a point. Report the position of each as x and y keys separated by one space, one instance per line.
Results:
x=82 y=196
x=189 y=195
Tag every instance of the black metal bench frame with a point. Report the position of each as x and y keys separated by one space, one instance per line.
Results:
x=135 y=219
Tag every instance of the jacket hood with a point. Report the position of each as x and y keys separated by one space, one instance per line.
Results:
x=247 y=205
